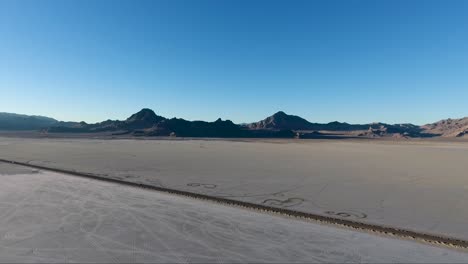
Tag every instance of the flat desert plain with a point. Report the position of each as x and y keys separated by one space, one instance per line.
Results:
x=415 y=185
x=50 y=217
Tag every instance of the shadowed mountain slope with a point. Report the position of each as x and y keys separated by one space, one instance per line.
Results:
x=448 y=127
x=281 y=120
x=143 y=119
x=10 y=121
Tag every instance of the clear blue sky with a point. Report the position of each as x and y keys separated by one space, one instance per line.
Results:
x=349 y=60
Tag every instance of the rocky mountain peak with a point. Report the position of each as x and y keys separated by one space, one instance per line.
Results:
x=280 y=120
x=144 y=114
x=145 y=118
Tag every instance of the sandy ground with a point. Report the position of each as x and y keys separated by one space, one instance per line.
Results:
x=422 y=186
x=50 y=217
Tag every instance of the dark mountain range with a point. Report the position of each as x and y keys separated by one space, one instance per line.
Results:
x=281 y=125
x=147 y=123
x=184 y=128
x=9 y=121
x=281 y=120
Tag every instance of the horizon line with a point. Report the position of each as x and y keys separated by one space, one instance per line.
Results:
x=239 y=123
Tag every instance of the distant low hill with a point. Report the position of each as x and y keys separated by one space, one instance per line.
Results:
x=10 y=121
x=448 y=128
x=280 y=125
